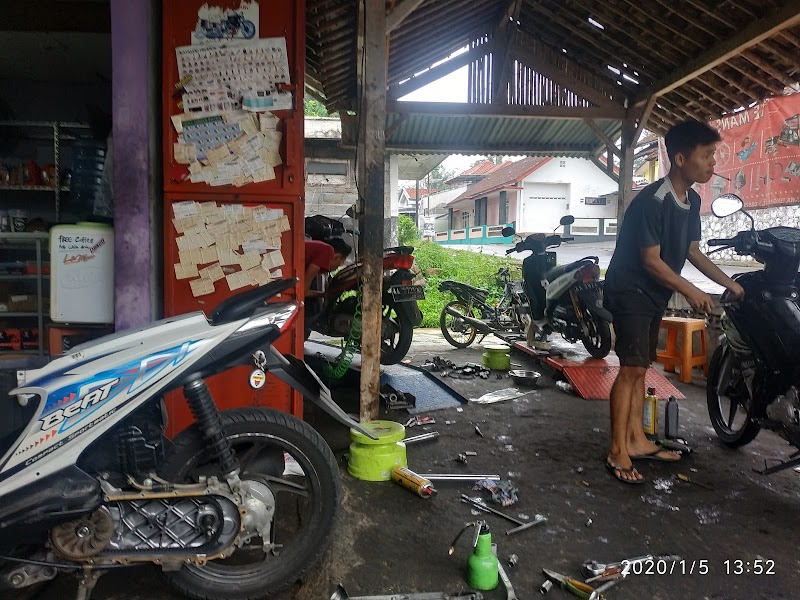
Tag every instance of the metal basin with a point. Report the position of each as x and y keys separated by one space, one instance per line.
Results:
x=529 y=378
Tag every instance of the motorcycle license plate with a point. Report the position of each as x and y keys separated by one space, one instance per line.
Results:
x=406 y=293
x=594 y=285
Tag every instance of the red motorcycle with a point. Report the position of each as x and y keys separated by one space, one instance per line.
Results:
x=339 y=313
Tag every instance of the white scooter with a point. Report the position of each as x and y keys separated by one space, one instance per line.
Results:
x=566 y=299
x=237 y=506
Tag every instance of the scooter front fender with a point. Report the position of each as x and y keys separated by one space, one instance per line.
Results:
x=297 y=374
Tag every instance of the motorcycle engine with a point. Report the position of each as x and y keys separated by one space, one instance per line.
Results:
x=786 y=408
x=341 y=321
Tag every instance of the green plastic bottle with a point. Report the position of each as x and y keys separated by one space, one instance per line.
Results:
x=482 y=571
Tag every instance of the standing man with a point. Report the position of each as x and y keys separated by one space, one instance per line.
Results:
x=660 y=231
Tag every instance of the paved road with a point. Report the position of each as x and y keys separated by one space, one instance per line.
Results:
x=603 y=250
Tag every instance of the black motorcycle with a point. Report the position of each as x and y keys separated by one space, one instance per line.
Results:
x=463 y=319
x=754 y=374
x=566 y=299
x=338 y=312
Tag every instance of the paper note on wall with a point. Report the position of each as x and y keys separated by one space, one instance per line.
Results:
x=228 y=241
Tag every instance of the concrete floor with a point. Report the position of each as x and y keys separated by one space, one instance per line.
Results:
x=552 y=446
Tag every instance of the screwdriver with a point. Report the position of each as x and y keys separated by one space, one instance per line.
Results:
x=572 y=586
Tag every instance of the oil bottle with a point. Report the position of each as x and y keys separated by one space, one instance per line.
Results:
x=671 y=418
x=650 y=413
x=483 y=573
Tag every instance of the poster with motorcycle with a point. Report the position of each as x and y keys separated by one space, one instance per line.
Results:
x=759 y=155
x=215 y=23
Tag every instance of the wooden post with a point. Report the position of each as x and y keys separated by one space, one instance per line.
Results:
x=625 y=168
x=373 y=121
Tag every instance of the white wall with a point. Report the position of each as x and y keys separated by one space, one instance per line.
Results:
x=582 y=178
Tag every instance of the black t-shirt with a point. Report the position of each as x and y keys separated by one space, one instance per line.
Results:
x=654 y=218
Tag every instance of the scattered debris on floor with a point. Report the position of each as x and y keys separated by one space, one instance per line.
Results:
x=503 y=493
x=437 y=363
x=499 y=396
x=396 y=400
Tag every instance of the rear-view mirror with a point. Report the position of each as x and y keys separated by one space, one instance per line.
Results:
x=567 y=220
x=507 y=231
x=726 y=205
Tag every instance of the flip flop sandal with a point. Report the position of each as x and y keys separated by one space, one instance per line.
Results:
x=616 y=472
x=654 y=455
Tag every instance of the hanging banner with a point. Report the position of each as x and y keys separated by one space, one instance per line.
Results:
x=759 y=155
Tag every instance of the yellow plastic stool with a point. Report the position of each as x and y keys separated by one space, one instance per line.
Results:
x=682 y=355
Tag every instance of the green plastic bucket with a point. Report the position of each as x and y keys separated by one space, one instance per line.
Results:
x=373 y=460
x=497 y=357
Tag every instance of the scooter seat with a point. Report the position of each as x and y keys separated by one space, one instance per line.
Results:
x=463 y=289
x=557 y=272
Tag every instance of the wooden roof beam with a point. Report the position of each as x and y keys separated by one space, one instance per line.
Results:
x=686 y=16
x=730 y=80
x=504 y=35
x=439 y=71
x=398 y=14
x=751 y=57
x=597 y=41
x=718 y=15
x=754 y=33
x=609 y=143
x=747 y=73
x=560 y=76
x=658 y=19
x=610 y=112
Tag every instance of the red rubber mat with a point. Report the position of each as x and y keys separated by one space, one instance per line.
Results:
x=592 y=380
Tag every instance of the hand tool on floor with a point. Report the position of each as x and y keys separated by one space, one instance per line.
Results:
x=598 y=592
x=510 y=595
x=522 y=525
x=595 y=570
x=685 y=478
x=572 y=586
x=341 y=594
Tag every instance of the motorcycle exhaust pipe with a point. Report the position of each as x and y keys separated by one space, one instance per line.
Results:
x=476 y=323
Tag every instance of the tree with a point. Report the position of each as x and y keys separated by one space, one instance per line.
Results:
x=438 y=177
x=314 y=108
x=407 y=233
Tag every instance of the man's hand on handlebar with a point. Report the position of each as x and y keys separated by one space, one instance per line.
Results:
x=700 y=301
x=735 y=291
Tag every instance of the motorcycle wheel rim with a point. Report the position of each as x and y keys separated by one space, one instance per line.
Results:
x=732 y=414
x=250 y=449
x=463 y=333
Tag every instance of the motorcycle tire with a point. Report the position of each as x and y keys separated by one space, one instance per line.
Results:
x=392 y=354
x=599 y=344
x=469 y=333
x=248 y=29
x=261 y=439
x=726 y=431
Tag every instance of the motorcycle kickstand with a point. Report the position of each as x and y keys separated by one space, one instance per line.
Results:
x=483 y=337
x=87 y=582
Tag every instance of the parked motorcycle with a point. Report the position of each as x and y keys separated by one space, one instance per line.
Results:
x=566 y=299
x=237 y=506
x=754 y=374
x=340 y=312
x=463 y=319
x=227 y=27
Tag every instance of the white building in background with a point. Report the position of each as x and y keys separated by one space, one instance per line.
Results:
x=534 y=193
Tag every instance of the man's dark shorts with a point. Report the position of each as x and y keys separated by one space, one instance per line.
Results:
x=636 y=324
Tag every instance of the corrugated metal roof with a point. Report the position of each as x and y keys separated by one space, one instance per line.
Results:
x=703 y=58
x=468 y=134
